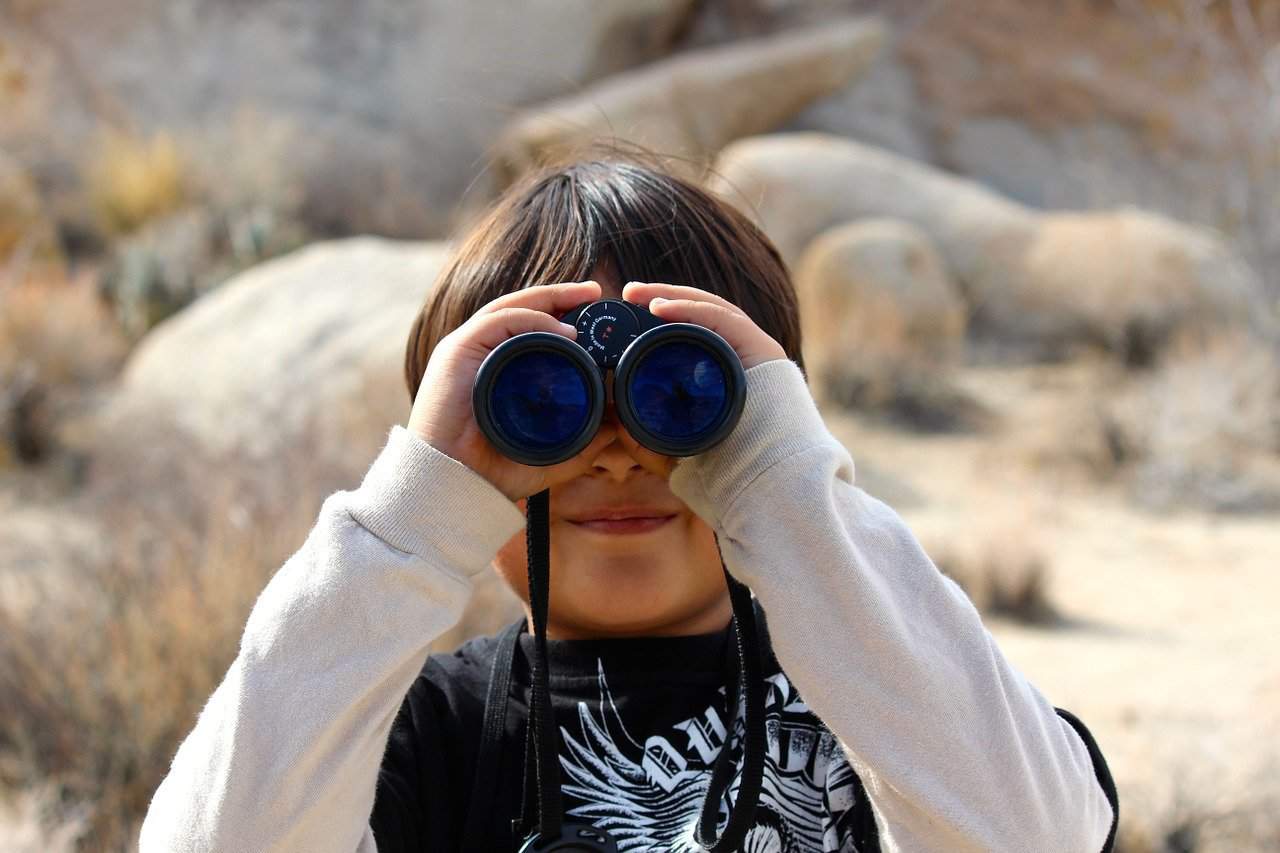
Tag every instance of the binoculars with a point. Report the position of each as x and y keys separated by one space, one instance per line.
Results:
x=678 y=388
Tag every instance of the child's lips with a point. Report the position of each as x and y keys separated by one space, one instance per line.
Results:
x=616 y=526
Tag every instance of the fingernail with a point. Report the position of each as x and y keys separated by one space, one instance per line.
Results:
x=568 y=328
x=657 y=300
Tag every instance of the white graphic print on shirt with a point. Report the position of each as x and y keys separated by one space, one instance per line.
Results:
x=649 y=796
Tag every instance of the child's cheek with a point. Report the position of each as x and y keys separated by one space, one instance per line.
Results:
x=511 y=563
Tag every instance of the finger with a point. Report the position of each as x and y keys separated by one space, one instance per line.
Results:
x=737 y=329
x=490 y=329
x=554 y=299
x=643 y=292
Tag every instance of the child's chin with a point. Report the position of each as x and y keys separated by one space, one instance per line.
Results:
x=614 y=620
x=644 y=590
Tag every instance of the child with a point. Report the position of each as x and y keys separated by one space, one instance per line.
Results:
x=891 y=719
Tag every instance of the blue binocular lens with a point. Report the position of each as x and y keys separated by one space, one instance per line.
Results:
x=678 y=388
x=538 y=398
x=541 y=399
x=679 y=391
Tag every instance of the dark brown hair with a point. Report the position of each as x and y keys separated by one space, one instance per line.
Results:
x=636 y=218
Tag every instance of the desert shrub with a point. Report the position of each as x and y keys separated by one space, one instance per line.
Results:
x=245 y=163
x=241 y=204
x=134 y=178
x=25 y=831
x=59 y=326
x=26 y=233
x=1203 y=430
x=909 y=393
x=1200 y=814
x=55 y=341
x=1002 y=573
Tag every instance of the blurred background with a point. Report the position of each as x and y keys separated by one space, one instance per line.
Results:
x=1036 y=244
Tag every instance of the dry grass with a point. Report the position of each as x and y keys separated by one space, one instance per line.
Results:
x=247 y=161
x=60 y=327
x=25 y=230
x=1204 y=429
x=106 y=665
x=1197 y=817
x=906 y=392
x=56 y=343
x=1002 y=571
x=23 y=828
x=1198 y=431
x=133 y=179
x=240 y=203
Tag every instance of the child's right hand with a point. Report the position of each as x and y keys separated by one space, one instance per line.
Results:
x=442 y=414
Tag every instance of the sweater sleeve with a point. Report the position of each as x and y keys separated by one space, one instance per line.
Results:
x=957 y=750
x=286 y=752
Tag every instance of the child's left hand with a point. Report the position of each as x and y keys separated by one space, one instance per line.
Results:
x=681 y=304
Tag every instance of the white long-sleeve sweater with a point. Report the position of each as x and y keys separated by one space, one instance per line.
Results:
x=957 y=750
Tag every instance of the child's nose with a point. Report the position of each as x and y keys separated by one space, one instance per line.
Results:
x=614 y=460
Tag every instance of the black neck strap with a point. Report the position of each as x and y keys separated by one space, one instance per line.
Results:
x=754 y=744
x=542 y=722
x=484 y=789
x=748 y=681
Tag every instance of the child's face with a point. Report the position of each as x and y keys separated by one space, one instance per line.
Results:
x=627 y=578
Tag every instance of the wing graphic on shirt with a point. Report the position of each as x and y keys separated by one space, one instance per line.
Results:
x=649 y=796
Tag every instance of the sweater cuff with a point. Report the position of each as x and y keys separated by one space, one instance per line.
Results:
x=423 y=501
x=779 y=420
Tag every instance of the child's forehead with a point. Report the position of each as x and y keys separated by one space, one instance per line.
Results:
x=610 y=282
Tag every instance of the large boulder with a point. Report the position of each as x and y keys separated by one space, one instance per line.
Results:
x=693 y=105
x=1029 y=278
x=797 y=185
x=297 y=343
x=1132 y=278
x=877 y=288
x=884 y=325
x=394 y=100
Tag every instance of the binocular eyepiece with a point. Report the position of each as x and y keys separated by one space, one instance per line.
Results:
x=678 y=388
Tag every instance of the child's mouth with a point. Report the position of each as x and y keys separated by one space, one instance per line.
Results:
x=638 y=524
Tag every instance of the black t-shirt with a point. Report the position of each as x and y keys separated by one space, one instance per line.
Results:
x=641 y=722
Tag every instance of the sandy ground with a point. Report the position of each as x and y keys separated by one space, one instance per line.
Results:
x=1169 y=651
